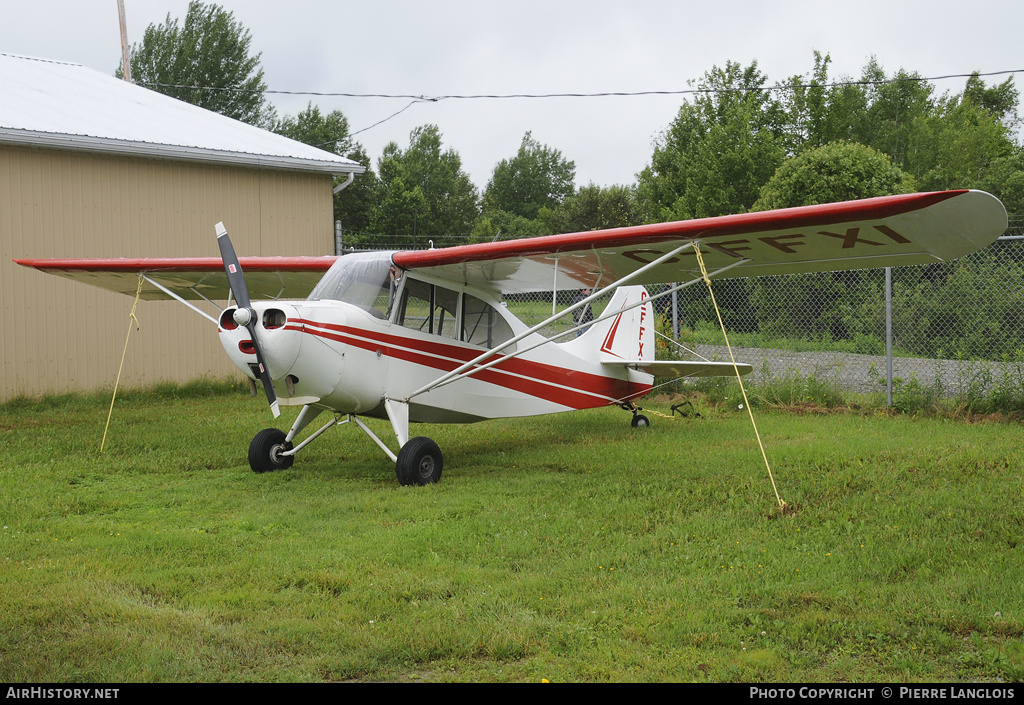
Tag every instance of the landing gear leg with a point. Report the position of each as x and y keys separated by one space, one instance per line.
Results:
x=419 y=462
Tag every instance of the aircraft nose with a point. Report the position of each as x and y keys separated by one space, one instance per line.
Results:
x=278 y=330
x=280 y=340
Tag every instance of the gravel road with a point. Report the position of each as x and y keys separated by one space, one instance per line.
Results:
x=859 y=373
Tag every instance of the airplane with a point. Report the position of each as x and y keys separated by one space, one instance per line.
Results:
x=424 y=336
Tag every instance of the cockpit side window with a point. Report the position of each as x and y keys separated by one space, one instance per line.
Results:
x=435 y=310
x=430 y=309
x=416 y=306
x=446 y=310
x=482 y=324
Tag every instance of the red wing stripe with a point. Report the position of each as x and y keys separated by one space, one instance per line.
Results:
x=182 y=264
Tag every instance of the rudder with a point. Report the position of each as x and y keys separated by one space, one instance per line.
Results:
x=627 y=335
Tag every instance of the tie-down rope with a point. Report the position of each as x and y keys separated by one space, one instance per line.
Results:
x=746 y=403
x=131 y=318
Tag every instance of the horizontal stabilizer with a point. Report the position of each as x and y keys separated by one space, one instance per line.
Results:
x=683 y=368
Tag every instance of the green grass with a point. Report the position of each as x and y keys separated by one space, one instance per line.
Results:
x=567 y=548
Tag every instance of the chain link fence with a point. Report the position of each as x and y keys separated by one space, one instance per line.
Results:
x=951 y=328
x=955 y=329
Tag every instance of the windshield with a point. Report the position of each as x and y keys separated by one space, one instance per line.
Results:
x=367 y=280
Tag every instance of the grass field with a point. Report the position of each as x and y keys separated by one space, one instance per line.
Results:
x=566 y=548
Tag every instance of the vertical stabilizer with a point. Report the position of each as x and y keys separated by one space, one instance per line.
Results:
x=625 y=333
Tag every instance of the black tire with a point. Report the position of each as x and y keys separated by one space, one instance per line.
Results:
x=640 y=421
x=419 y=462
x=265 y=451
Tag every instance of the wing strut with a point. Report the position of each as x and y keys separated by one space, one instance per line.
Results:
x=603 y=317
x=579 y=304
x=174 y=296
x=474 y=366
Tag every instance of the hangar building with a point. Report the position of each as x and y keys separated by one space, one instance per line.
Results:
x=92 y=166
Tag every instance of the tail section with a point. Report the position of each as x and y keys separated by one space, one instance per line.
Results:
x=624 y=333
x=624 y=341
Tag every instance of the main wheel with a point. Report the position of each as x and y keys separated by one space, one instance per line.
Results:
x=419 y=462
x=265 y=451
x=640 y=421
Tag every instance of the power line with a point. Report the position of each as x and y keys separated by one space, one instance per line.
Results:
x=379 y=122
x=605 y=94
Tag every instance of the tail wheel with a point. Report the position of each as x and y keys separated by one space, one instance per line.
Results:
x=419 y=462
x=265 y=451
x=640 y=421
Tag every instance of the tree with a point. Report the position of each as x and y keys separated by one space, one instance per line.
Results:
x=330 y=132
x=206 y=62
x=501 y=225
x=967 y=141
x=425 y=194
x=537 y=177
x=894 y=105
x=1005 y=179
x=597 y=208
x=1000 y=101
x=817 y=305
x=818 y=113
x=955 y=146
x=840 y=171
x=719 y=150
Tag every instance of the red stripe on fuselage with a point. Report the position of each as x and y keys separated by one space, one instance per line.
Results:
x=585 y=390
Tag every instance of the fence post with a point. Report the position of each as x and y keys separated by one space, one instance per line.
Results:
x=675 y=314
x=888 y=335
x=337 y=238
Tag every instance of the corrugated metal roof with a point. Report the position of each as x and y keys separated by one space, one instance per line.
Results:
x=68 y=106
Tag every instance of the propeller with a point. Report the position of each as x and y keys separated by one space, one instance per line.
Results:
x=245 y=315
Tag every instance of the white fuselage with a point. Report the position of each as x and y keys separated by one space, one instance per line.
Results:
x=348 y=359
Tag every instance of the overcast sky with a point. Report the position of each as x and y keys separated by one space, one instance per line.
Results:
x=446 y=47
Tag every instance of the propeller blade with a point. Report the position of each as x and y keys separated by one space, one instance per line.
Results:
x=231 y=266
x=268 y=385
x=236 y=280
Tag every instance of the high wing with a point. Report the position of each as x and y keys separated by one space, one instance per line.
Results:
x=192 y=278
x=917 y=228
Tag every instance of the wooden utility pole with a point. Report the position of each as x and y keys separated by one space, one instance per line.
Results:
x=126 y=69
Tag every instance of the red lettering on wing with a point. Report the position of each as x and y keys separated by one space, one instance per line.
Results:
x=786 y=247
x=733 y=251
x=637 y=256
x=850 y=238
x=891 y=234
